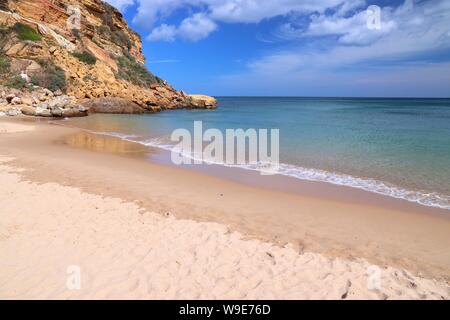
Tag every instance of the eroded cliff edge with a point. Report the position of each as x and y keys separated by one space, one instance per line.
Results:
x=46 y=44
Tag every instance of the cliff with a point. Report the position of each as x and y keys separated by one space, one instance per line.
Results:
x=84 y=49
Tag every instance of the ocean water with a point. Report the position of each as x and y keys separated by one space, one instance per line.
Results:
x=395 y=147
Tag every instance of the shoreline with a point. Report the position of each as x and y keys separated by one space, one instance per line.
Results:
x=385 y=235
x=366 y=185
x=294 y=175
x=93 y=247
x=278 y=182
x=293 y=185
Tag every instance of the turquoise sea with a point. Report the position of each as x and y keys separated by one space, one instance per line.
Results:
x=395 y=147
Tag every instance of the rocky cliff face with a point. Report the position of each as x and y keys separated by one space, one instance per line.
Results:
x=83 y=48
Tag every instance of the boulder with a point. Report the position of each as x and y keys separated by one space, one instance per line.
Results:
x=27 y=100
x=154 y=109
x=16 y=100
x=43 y=112
x=202 y=101
x=9 y=97
x=43 y=105
x=112 y=105
x=13 y=112
x=48 y=93
x=75 y=111
x=56 y=103
x=28 y=110
x=57 y=112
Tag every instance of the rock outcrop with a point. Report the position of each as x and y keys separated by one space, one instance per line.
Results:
x=39 y=102
x=44 y=44
x=112 y=105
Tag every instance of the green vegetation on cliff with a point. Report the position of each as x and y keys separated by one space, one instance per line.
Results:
x=85 y=57
x=51 y=76
x=4 y=32
x=25 y=32
x=136 y=73
x=5 y=64
x=5 y=61
x=110 y=31
x=16 y=82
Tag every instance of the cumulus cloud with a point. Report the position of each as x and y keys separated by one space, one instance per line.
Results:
x=254 y=11
x=418 y=29
x=164 y=32
x=211 y=12
x=347 y=21
x=247 y=11
x=192 y=29
x=328 y=41
x=350 y=29
x=388 y=55
x=196 y=27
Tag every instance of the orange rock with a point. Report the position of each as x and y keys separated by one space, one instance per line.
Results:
x=100 y=54
x=102 y=78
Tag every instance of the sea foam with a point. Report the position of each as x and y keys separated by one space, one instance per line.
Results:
x=431 y=199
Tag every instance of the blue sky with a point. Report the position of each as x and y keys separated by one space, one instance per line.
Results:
x=296 y=47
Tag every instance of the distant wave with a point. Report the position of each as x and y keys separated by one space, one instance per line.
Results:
x=431 y=199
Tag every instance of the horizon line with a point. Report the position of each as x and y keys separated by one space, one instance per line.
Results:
x=329 y=97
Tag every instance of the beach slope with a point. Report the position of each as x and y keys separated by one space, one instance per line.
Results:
x=58 y=242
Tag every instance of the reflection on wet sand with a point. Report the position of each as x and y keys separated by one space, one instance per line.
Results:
x=101 y=143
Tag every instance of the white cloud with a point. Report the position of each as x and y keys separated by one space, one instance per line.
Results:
x=230 y=11
x=328 y=40
x=208 y=12
x=418 y=29
x=360 y=56
x=163 y=33
x=151 y=11
x=423 y=80
x=350 y=29
x=255 y=10
x=196 y=27
x=192 y=29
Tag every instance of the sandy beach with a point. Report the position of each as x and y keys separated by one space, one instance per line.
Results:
x=77 y=202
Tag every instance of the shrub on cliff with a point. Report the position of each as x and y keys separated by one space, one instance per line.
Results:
x=5 y=64
x=3 y=29
x=135 y=72
x=76 y=33
x=4 y=32
x=115 y=35
x=111 y=31
x=25 y=32
x=85 y=57
x=5 y=61
x=51 y=76
x=16 y=82
x=121 y=38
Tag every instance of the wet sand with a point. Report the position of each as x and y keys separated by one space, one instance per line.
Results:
x=349 y=226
